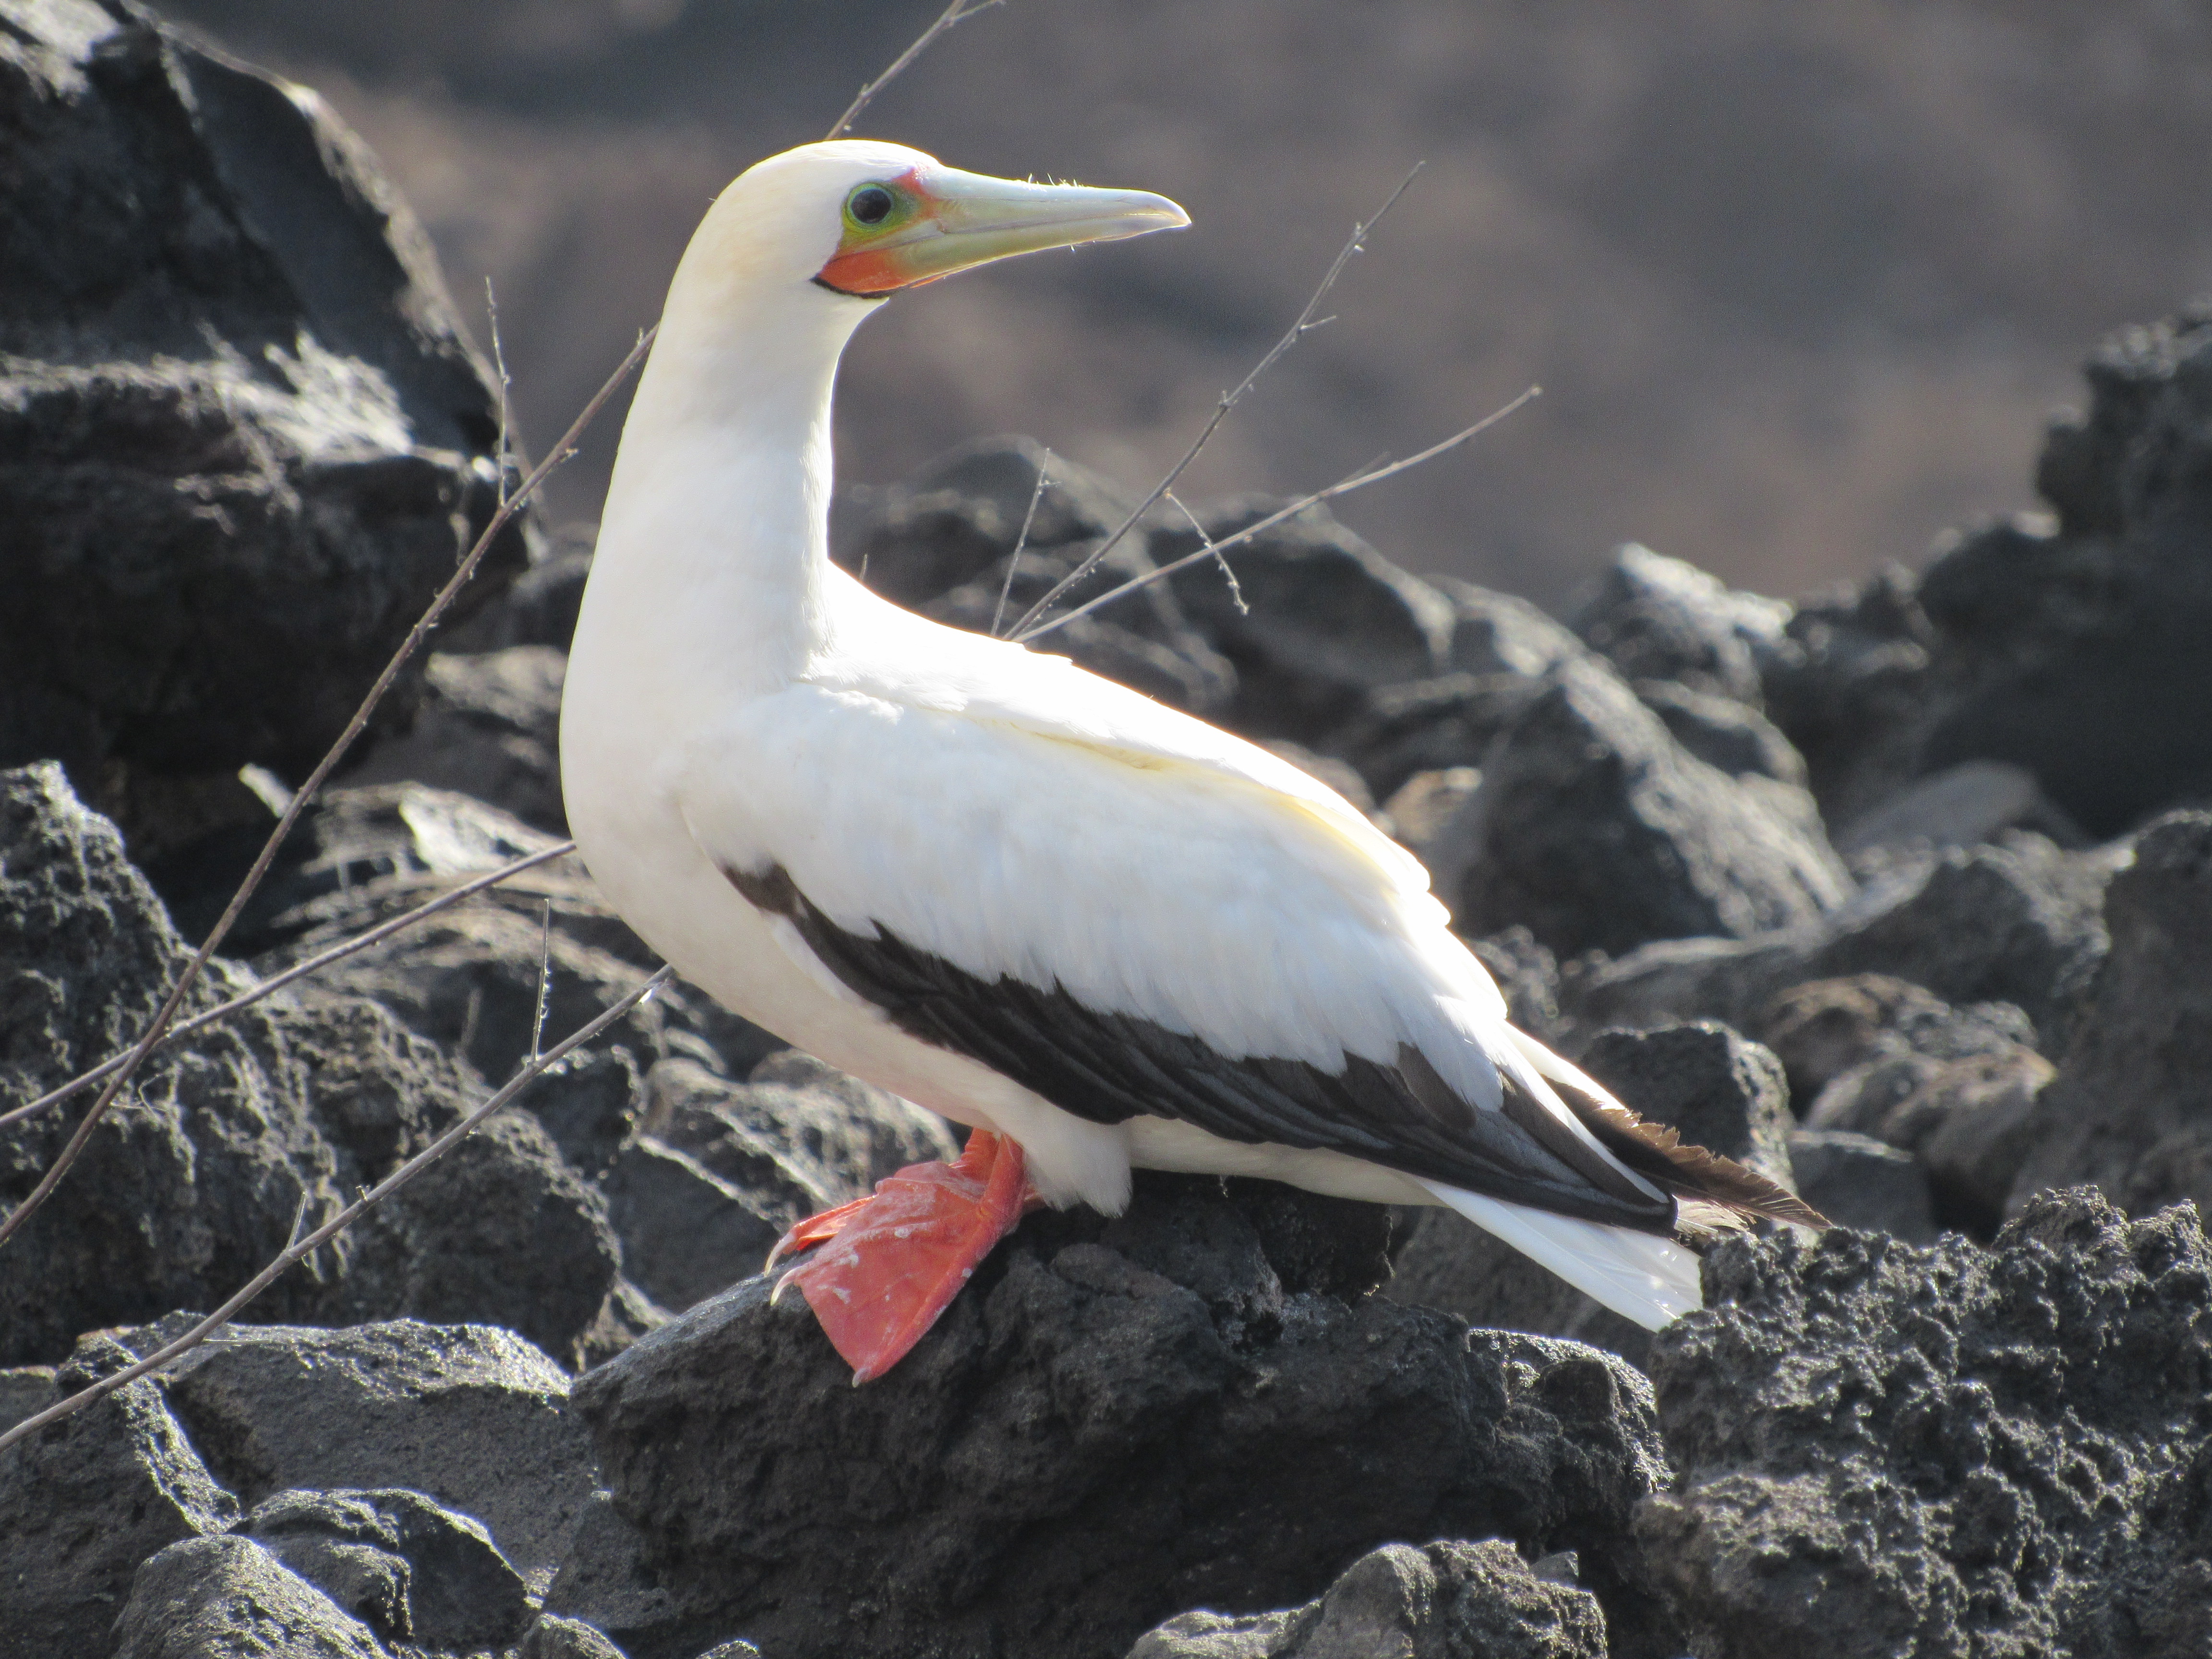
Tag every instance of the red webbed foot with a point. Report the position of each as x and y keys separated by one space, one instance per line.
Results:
x=893 y=1262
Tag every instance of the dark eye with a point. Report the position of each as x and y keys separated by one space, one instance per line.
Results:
x=871 y=204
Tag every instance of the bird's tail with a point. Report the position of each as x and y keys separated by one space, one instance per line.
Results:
x=1640 y=1276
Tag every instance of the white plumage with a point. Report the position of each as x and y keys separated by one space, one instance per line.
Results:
x=736 y=703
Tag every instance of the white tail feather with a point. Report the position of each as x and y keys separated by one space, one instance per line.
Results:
x=1640 y=1276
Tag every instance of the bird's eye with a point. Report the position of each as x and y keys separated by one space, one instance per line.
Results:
x=871 y=204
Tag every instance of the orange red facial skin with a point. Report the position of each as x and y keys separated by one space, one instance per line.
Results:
x=867 y=272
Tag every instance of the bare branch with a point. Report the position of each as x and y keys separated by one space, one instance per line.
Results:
x=338 y=952
x=1306 y=323
x=1236 y=587
x=958 y=12
x=302 y=1247
x=306 y=793
x=499 y=362
x=1358 y=480
x=1021 y=542
x=544 y=984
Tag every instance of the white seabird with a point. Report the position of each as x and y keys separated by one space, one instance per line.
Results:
x=1101 y=932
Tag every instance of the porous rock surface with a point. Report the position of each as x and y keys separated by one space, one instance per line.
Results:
x=1090 y=1439
x=242 y=438
x=1948 y=1451
x=1446 y=1601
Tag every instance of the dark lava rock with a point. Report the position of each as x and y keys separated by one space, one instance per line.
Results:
x=222 y=1139
x=243 y=438
x=1092 y=1438
x=2074 y=651
x=1595 y=828
x=1728 y=736
x=554 y=1637
x=1445 y=1601
x=1823 y=1028
x=228 y=1598
x=540 y=607
x=409 y=1570
x=2019 y=921
x=1717 y=1089
x=1881 y=1450
x=471 y=1416
x=1961 y=805
x=1440 y=723
x=1657 y=618
x=83 y=1501
x=2127 y=1107
x=1860 y=1182
x=1317 y=619
x=686 y=1233
x=500 y=1231
x=488 y=726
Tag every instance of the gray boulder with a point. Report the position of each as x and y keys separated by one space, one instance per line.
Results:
x=554 y=1637
x=411 y=1571
x=1317 y=620
x=1657 y=618
x=1883 y=1450
x=2126 y=1110
x=1088 y=1441
x=1860 y=1182
x=488 y=726
x=83 y=1501
x=1593 y=829
x=228 y=1598
x=1445 y=1601
x=245 y=439
x=468 y=1415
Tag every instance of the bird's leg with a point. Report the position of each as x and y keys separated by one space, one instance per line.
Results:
x=895 y=1260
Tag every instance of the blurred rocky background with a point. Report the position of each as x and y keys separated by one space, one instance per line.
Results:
x=1800 y=281
x=1900 y=890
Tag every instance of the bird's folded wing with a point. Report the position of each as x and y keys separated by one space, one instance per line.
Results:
x=1135 y=915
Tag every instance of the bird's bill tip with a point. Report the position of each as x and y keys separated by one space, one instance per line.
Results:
x=941 y=220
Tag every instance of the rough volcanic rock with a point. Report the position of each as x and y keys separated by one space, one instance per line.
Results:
x=228 y=1598
x=83 y=1501
x=500 y=1232
x=2127 y=1109
x=540 y=607
x=2074 y=650
x=1089 y=1439
x=1444 y=1600
x=2017 y=921
x=1948 y=1451
x=1719 y=1090
x=554 y=1637
x=1961 y=805
x=1444 y=723
x=471 y=1416
x=1657 y=618
x=1823 y=1028
x=406 y=1568
x=1316 y=621
x=1728 y=736
x=223 y=1137
x=488 y=726
x=243 y=438
x=1595 y=828
x=685 y=1232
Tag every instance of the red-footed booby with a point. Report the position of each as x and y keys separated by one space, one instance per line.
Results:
x=1103 y=934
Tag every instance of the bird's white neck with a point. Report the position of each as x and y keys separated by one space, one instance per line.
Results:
x=712 y=573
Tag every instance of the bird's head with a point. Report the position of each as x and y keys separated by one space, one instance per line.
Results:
x=863 y=220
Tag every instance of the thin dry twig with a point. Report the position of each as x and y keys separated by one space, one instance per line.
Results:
x=544 y=984
x=1358 y=480
x=338 y=952
x=301 y=1247
x=1021 y=543
x=1236 y=587
x=958 y=13
x=305 y=793
x=1305 y=324
x=499 y=362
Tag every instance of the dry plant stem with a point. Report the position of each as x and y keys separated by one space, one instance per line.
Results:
x=338 y=952
x=1021 y=542
x=1358 y=480
x=337 y=1223
x=958 y=12
x=305 y=793
x=1306 y=323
